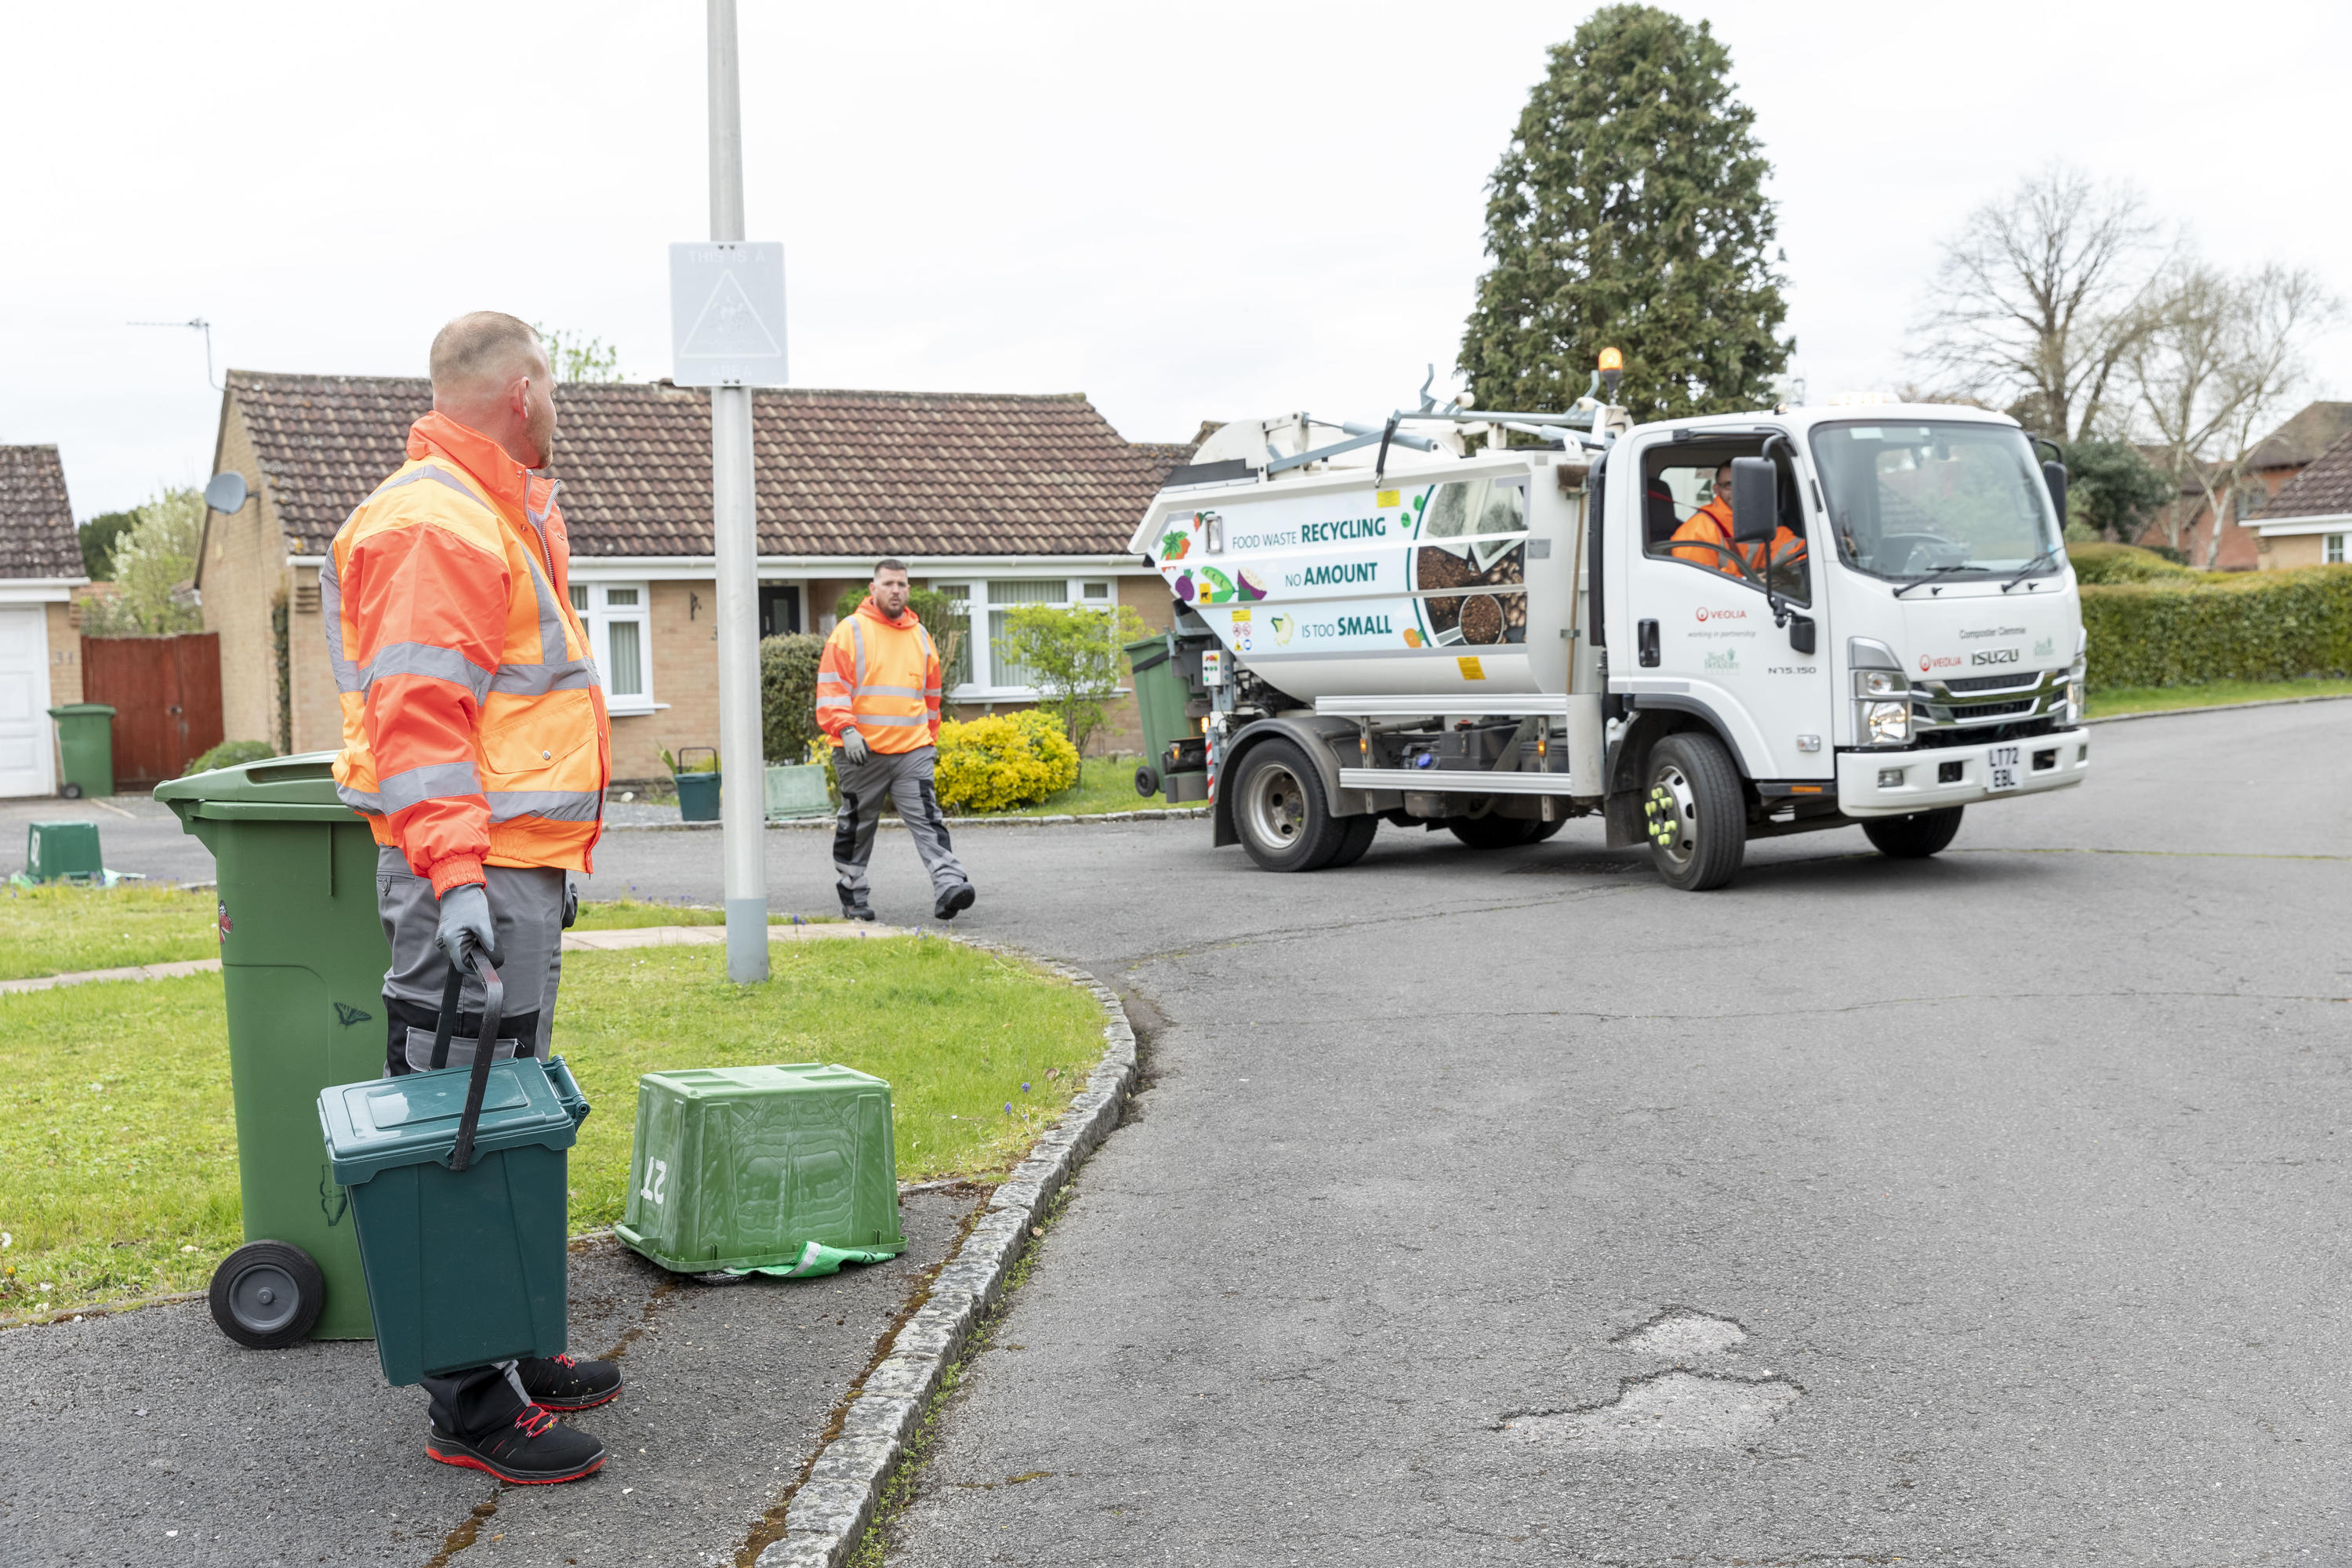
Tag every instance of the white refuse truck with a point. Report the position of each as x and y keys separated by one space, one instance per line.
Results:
x=1420 y=624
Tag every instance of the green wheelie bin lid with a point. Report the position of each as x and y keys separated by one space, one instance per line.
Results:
x=463 y=1267
x=302 y=960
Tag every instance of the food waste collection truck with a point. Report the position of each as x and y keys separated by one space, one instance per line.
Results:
x=1706 y=630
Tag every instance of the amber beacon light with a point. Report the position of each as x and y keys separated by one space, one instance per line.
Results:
x=1612 y=370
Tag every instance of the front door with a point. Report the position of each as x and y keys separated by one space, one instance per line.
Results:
x=1715 y=641
x=25 y=752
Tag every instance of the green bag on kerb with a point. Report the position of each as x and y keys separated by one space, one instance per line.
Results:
x=816 y=1259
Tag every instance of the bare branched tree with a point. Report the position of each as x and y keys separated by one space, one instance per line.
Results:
x=2219 y=361
x=2040 y=296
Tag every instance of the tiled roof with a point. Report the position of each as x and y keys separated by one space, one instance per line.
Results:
x=36 y=525
x=2314 y=427
x=2322 y=489
x=839 y=473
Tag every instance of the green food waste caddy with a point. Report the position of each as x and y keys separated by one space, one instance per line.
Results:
x=85 y=749
x=302 y=963
x=743 y=1167
x=460 y=1208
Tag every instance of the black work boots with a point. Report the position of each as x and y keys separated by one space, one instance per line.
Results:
x=534 y=1450
x=954 y=901
x=854 y=907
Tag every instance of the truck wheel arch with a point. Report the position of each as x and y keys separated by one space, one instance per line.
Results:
x=1312 y=735
x=1654 y=718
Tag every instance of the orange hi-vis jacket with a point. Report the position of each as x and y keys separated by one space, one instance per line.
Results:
x=881 y=676
x=1711 y=525
x=474 y=725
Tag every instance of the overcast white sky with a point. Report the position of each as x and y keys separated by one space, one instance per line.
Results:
x=1190 y=211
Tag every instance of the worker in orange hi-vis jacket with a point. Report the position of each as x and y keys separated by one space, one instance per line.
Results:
x=476 y=742
x=878 y=698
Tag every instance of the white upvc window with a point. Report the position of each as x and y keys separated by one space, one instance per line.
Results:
x=618 y=619
x=979 y=672
x=2332 y=549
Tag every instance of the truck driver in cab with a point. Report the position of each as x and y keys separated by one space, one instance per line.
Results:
x=1706 y=538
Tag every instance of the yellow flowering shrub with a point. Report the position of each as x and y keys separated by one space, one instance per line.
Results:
x=1003 y=762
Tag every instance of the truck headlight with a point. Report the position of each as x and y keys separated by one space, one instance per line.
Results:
x=1886 y=723
x=1879 y=684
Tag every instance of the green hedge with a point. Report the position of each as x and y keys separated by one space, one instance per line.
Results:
x=788 y=696
x=2251 y=625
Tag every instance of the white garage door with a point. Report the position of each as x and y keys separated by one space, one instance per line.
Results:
x=24 y=750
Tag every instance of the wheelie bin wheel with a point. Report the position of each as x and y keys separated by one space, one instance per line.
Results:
x=266 y=1294
x=1147 y=780
x=70 y=792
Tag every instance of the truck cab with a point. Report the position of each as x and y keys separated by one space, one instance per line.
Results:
x=1706 y=630
x=1906 y=642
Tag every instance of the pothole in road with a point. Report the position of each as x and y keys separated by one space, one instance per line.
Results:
x=1680 y=1331
x=1671 y=1410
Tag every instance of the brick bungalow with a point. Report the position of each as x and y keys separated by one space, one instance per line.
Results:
x=1006 y=499
x=40 y=652
x=2275 y=460
x=2309 y=522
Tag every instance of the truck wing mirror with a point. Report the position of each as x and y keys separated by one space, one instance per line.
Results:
x=2053 y=474
x=1755 y=501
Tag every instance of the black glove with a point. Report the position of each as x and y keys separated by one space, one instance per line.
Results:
x=466 y=922
x=571 y=902
x=853 y=746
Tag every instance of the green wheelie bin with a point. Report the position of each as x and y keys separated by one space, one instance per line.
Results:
x=85 y=749
x=303 y=962
x=1167 y=669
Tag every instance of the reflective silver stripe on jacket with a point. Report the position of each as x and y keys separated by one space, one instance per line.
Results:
x=858 y=642
x=865 y=718
x=361 y=801
x=331 y=607
x=434 y=781
x=550 y=805
x=537 y=679
x=889 y=692
x=427 y=660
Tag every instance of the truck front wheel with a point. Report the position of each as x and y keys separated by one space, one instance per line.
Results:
x=1695 y=812
x=1916 y=837
x=1280 y=812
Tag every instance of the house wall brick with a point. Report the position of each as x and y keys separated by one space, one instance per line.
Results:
x=318 y=713
x=2293 y=550
x=65 y=654
x=244 y=571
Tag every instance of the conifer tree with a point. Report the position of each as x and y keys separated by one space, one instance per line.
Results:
x=1629 y=211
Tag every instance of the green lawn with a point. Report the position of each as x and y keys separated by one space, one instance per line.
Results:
x=118 y=1148
x=60 y=928
x=2108 y=702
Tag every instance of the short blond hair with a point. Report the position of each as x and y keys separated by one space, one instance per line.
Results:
x=480 y=345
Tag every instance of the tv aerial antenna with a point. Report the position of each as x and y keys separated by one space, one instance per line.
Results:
x=202 y=326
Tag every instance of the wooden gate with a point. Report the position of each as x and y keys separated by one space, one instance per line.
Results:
x=166 y=695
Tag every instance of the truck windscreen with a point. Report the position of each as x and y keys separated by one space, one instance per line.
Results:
x=1914 y=500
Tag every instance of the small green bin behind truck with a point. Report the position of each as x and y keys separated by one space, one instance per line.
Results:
x=1166 y=666
x=302 y=963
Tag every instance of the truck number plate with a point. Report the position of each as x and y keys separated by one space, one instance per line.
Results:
x=2004 y=767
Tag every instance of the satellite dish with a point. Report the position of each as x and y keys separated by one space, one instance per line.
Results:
x=226 y=492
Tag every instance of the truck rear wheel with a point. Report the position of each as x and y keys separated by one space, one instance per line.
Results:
x=1496 y=832
x=1280 y=812
x=1916 y=837
x=1696 y=813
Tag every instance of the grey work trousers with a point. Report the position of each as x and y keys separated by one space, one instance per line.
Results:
x=904 y=778
x=527 y=915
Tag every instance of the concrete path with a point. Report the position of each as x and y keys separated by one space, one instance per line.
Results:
x=148 y=1438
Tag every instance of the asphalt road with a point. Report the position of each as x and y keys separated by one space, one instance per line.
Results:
x=1511 y=1207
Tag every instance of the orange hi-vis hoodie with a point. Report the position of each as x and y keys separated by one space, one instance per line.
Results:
x=474 y=724
x=882 y=678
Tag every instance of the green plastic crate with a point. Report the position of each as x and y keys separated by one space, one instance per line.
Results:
x=60 y=851
x=466 y=1268
x=743 y=1167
